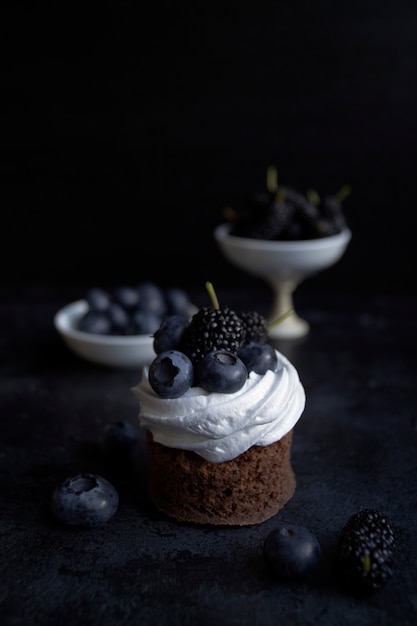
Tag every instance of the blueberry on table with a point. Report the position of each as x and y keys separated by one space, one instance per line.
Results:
x=119 y=439
x=85 y=500
x=291 y=552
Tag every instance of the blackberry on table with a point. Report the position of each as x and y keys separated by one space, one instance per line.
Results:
x=365 y=550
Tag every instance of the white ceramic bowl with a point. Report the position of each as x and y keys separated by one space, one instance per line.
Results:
x=128 y=351
x=284 y=265
x=282 y=260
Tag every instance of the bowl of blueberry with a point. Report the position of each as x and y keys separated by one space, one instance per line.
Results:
x=115 y=327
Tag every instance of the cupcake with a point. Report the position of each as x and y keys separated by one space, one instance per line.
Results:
x=219 y=405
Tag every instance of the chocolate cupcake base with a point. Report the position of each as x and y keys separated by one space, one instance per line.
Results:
x=246 y=490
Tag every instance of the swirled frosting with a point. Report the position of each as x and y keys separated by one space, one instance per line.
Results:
x=221 y=426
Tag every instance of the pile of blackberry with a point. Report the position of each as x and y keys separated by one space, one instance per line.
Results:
x=283 y=214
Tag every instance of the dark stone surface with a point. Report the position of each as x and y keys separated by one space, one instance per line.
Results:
x=354 y=447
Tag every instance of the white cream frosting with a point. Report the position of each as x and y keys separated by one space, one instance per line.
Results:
x=220 y=426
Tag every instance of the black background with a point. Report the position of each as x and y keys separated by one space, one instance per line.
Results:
x=127 y=131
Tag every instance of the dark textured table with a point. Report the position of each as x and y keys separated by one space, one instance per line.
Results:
x=354 y=447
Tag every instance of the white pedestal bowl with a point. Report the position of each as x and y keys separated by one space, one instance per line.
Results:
x=284 y=265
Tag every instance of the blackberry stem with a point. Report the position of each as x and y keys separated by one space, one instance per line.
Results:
x=212 y=295
x=230 y=214
x=313 y=196
x=216 y=306
x=280 y=319
x=343 y=193
x=272 y=179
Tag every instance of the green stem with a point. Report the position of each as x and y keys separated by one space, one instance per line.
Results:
x=343 y=193
x=280 y=319
x=230 y=214
x=212 y=295
x=272 y=179
x=313 y=197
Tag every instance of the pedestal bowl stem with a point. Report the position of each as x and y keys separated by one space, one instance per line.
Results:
x=293 y=326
